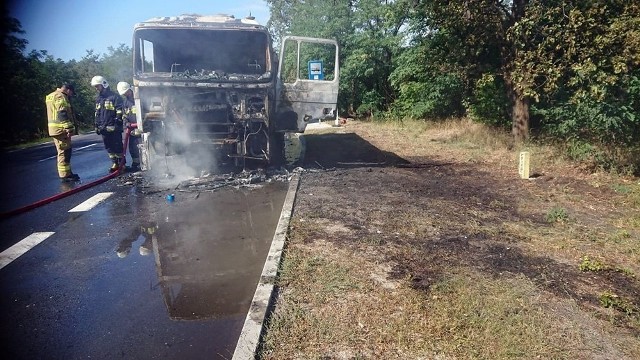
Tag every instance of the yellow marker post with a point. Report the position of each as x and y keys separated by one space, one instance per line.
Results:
x=523 y=167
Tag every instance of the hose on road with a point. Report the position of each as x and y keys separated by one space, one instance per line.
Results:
x=75 y=190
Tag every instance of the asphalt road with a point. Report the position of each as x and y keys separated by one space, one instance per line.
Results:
x=30 y=174
x=112 y=272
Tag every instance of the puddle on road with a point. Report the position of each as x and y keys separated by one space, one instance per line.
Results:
x=209 y=244
x=209 y=247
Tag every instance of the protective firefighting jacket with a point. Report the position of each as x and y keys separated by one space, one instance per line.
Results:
x=60 y=114
x=129 y=110
x=108 y=111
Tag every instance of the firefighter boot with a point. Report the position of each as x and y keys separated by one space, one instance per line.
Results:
x=135 y=167
x=71 y=177
x=115 y=166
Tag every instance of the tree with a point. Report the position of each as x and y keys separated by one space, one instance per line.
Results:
x=21 y=114
x=368 y=33
x=117 y=63
x=115 y=66
x=468 y=39
x=581 y=62
x=576 y=62
x=427 y=87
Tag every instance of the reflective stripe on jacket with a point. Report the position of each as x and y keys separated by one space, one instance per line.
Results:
x=129 y=110
x=60 y=114
x=108 y=110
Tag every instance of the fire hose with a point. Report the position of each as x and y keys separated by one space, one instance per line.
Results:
x=75 y=190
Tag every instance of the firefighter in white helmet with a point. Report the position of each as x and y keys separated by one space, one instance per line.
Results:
x=108 y=121
x=129 y=118
x=147 y=232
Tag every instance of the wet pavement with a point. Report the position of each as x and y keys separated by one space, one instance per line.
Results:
x=208 y=248
x=135 y=276
x=140 y=277
x=31 y=175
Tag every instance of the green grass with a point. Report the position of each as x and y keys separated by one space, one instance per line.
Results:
x=557 y=215
x=588 y=264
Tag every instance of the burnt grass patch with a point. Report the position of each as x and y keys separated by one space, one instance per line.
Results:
x=464 y=208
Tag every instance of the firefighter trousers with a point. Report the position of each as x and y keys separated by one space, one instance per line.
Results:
x=63 y=147
x=113 y=144
x=133 y=149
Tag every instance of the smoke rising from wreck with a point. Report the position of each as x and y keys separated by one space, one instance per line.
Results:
x=180 y=158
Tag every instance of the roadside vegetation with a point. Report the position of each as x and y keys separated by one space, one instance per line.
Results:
x=450 y=255
x=563 y=73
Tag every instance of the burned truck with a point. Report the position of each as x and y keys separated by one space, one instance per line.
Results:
x=214 y=86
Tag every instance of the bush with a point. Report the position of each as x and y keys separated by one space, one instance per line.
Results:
x=441 y=97
x=606 y=118
x=371 y=102
x=489 y=103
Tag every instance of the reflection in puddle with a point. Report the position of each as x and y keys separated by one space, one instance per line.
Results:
x=209 y=249
x=145 y=234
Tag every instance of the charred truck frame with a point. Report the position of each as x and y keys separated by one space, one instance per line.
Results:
x=215 y=83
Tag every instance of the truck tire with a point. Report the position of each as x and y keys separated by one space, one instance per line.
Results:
x=276 y=149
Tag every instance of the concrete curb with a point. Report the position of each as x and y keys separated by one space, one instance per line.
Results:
x=262 y=299
x=318 y=125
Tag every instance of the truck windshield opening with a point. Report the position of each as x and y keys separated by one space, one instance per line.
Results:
x=202 y=54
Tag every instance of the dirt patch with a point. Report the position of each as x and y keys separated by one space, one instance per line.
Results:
x=435 y=214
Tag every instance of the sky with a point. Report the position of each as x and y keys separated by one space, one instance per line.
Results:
x=66 y=29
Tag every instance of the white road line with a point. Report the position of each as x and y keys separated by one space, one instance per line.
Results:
x=74 y=149
x=22 y=247
x=91 y=202
x=84 y=147
x=49 y=158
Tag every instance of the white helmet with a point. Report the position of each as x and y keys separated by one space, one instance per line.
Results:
x=99 y=80
x=122 y=87
x=144 y=250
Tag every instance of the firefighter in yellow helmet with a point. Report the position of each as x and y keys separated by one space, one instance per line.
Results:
x=61 y=120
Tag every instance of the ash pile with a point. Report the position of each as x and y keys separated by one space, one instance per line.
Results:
x=206 y=182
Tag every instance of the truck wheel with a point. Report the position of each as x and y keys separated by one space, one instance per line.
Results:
x=276 y=149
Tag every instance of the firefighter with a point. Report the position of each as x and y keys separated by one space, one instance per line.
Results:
x=146 y=248
x=61 y=120
x=129 y=118
x=108 y=121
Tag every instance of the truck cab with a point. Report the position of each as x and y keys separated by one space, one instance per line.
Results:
x=213 y=85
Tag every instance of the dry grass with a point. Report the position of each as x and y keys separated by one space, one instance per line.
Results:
x=455 y=257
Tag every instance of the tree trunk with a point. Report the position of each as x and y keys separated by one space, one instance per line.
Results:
x=351 y=111
x=520 y=103
x=519 y=113
x=520 y=119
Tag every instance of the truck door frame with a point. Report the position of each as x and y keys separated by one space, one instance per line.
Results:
x=307 y=100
